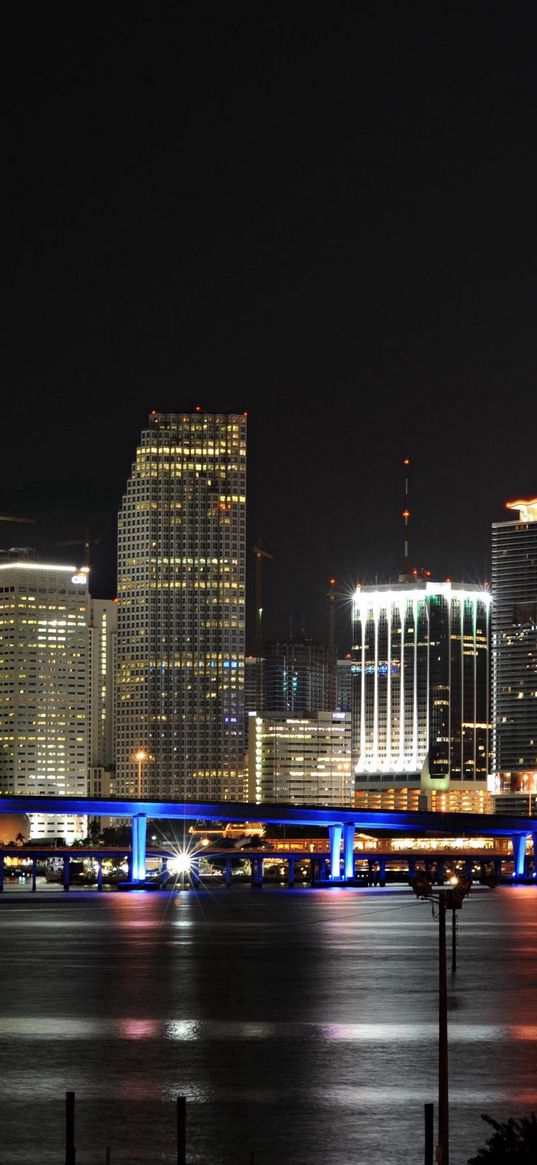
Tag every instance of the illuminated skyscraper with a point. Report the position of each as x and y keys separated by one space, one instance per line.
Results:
x=514 y=650
x=299 y=676
x=43 y=686
x=421 y=691
x=181 y=595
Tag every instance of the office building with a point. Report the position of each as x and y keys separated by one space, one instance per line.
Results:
x=181 y=595
x=43 y=686
x=300 y=760
x=344 y=673
x=421 y=720
x=299 y=676
x=102 y=630
x=514 y=656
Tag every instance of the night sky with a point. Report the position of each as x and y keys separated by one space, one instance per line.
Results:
x=324 y=215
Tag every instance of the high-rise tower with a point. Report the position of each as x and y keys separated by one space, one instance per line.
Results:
x=421 y=690
x=44 y=701
x=514 y=650
x=181 y=613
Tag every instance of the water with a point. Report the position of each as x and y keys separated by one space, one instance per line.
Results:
x=300 y=1025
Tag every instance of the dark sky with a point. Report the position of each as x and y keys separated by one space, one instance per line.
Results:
x=325 y=215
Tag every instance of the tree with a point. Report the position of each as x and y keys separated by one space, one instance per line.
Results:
x=513 y=1142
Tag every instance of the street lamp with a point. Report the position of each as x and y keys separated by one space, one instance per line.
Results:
x=444 y=899
x=140 y=756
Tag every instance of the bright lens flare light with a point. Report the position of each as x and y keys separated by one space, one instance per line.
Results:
x=180 y=864
x=453 y=881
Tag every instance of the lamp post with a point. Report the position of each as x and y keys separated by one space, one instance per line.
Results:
x=140 y=756
x=449 y=898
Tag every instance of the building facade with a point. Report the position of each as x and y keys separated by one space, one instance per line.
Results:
x=514 y=653
x=302 y=760
x=102 y=631
x=181 y=609
x=421 y=693
x=44 y=686
x=299 y=676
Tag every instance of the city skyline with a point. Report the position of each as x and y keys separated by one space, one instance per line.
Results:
x=336 y=237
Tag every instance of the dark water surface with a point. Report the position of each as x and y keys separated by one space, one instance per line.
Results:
x=300 y=1025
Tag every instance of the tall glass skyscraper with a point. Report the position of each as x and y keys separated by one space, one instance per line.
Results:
x=181 y=609
x=514 y=650
x=421 y=687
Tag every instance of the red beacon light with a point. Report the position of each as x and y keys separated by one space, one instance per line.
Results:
x=197 y=409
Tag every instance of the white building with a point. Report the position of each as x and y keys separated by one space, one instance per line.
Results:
x=303 y=760
x=421 y=718
x=181 y=609
x=43 y=686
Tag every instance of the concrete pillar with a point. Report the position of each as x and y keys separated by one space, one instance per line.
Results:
x=34 y=875
x=99 y=873
x=1 y=872
x=227 y=872
x=382 y=869
x=411 y=868
x=66 y=871
x=139 y=835
x=534 y=839
x=313 y=871
x=335 y=833
x=290 y=872
x=518 y=841
x=348 y=852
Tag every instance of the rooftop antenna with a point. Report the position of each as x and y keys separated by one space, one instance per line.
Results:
x=405 y=516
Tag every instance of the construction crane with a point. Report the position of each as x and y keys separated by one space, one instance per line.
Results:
x=85 y=542
x=260 y=554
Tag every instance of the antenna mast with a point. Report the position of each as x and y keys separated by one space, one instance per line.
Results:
x=406 y=516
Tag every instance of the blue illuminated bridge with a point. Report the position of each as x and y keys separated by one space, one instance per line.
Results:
x=340 y=823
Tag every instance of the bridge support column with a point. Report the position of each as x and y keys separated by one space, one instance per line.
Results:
x=469 y=869
x=66 y=871
x=1 y=872
x=257 y=872
x=313 y=871
x=348 y=852
x=411 y=868
x=99 y=873
x=534 y=839
x=139 y=835
x=335 y=833
x=382 y=870
x=290 y=872
x=227 y=873
x=34 y=875
x=519 y=853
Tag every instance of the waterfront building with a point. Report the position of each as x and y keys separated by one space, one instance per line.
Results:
x=421 y=721
x=43 y=686
x=514 y=657
x=299 y=676
x=181 y=613
x=102 y=628
x=300 y=760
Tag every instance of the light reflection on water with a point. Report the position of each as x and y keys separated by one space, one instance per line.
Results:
x=280 y=1014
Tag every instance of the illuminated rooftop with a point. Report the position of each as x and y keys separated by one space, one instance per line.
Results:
x=527 y=510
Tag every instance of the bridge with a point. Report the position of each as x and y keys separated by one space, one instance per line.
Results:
x=341 y=823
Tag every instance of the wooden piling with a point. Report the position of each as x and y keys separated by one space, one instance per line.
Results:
x=70 y=1151
x=181 y=1130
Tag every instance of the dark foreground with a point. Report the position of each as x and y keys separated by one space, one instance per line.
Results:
x=300 y=1025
